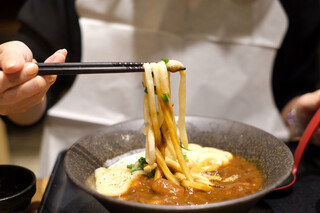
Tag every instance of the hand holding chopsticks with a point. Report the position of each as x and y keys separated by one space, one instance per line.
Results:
x=94 y=68
x=22 y=90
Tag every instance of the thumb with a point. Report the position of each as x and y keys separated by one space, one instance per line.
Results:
x=13 y=56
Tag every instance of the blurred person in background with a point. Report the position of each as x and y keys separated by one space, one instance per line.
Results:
x=250 y=61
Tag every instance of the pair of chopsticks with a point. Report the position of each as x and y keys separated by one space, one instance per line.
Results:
x=90 y=68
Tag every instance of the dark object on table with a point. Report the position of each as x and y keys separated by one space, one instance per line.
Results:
x=62 y=195
x=17 y=187
x=270 y=155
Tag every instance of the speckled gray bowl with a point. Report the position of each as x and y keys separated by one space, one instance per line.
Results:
x=271 y=156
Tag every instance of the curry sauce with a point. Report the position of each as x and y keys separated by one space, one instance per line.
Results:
x=239 y=178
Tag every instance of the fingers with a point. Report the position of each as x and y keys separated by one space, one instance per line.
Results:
x=15 y=86
x=20 y=98
x=13 y=56
x=23 y=91
x=7 y=81
x=305 y=107
x=23 y=105
x=58 y=57
x=20 y=86
x=309 y=101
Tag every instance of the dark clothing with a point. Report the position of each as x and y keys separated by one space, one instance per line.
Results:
x=296 y=67
x=48 y=25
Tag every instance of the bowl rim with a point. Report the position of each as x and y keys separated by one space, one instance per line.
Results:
x=220 y=204
x=25 y=190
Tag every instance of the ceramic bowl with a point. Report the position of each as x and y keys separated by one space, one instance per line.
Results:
x=17 y=187
x=270 y=155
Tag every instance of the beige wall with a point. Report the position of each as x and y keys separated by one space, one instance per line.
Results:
x=4 y=146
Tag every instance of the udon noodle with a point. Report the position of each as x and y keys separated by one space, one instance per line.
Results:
x=168 y=156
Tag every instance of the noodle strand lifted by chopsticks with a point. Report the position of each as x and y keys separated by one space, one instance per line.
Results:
x=182 y=110
x=152 y=129
x=160 y=77
x=152 y=103
x=166 y=149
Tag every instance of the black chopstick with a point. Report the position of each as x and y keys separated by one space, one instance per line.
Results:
x=89 y=68
x=76 y=68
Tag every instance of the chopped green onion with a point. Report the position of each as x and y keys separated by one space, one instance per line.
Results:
x=146 y=90
x=151 y=174
x=182 y=147
x=186 y=158
x=142 y=161
x=165 y=60
x=139 y=165
x=165 y=97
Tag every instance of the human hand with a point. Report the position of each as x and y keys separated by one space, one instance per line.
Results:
x=20 y=86
x=305 y=107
